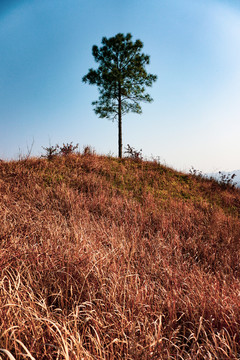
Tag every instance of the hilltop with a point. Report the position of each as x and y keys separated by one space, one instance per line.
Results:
x=104 y=258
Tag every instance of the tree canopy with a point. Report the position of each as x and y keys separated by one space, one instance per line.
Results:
x=121 y=79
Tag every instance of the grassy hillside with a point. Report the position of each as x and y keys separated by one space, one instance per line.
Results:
x=109 y=259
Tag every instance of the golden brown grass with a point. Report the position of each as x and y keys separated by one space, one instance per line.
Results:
x=109 y=259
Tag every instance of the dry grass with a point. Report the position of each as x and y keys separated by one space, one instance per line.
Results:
x=109 y=259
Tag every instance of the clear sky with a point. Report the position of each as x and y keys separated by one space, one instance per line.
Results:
x=194 y=48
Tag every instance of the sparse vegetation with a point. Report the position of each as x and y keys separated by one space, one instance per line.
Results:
x=196 y=173
x=64 y=150
x=227 y=179
x=133 y=153
x=103 y=258
x=51 y=152
x=68 y=149
x=88 y=150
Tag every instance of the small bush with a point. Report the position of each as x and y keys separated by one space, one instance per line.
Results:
x=67 y=149
x=51 y=152
x=196 y=173
x=88 y=150
x=133 y=153
x=227 y=179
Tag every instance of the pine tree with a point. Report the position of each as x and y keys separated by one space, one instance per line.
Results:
x=121 y=79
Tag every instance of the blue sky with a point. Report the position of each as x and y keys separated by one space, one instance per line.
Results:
x=194 y=47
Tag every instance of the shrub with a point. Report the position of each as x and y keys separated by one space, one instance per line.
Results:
x=227 y=179
x=88 y=150
x=196 y=173
x=51 y=152
x=133 y=153
x=68 y=149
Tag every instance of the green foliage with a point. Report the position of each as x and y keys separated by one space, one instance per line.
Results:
x=121 y=78
x=121 y=63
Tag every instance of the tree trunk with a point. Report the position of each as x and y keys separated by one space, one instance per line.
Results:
x=119 y=122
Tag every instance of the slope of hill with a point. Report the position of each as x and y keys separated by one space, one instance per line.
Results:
x=109 y=259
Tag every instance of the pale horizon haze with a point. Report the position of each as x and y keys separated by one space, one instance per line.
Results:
x=194 y=48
